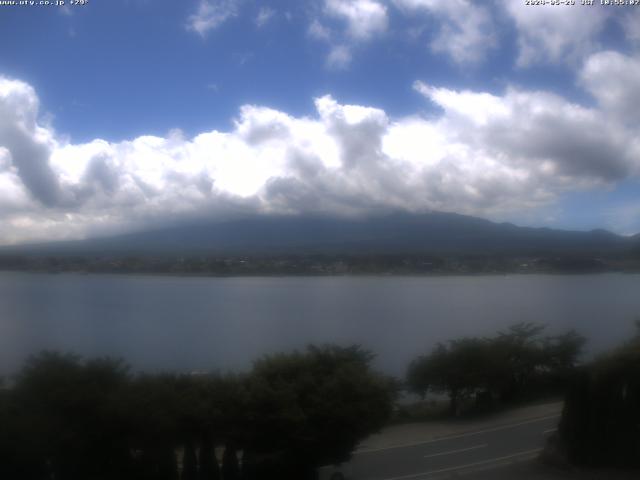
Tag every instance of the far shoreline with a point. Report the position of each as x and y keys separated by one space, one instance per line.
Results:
x=321 y=275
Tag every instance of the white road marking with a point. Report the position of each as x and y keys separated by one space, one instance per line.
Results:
x=468 y=465
x=493 y=429
x=462 y=435
x=451 y=452
x=550 y=430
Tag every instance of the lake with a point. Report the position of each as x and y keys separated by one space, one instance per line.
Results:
x=196 y=323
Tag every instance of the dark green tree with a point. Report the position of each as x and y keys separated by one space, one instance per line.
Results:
x=460 y=369
x=230 y=466
x=312 y=408
x=209 y=468
x=154 y=407
x=600 y=422
x=67 y=418
x=189 y=462
x=70 y=420
x=514 y=364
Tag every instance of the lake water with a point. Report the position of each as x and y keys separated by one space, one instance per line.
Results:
x=187 y=323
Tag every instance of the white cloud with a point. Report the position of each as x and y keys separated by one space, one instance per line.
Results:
x=484 y=154
x=265 y=15
x=364 y=18
x=318 y=31
x=28 y=143
x=549 y=34
x=339 y=57
x=466 y=30
x=480 y=108
x=211 y=14
x=543 y=132
x=609 y=77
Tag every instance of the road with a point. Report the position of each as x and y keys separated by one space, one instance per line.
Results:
x=481 y=449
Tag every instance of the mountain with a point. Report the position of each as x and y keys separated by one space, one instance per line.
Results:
x=400 y=233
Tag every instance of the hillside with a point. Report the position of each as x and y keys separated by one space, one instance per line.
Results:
x=433 y=233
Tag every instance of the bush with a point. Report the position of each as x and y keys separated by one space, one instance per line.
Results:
x=515 y=364
x=600 y=423
x=67 y=418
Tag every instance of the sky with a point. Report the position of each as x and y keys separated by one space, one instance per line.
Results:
x=119 y=115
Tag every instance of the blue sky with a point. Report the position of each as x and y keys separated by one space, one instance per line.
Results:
x=125 y=113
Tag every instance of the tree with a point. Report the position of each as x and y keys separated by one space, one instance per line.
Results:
x=535 y=363
x=209 y=468
x=154 y=408
x=520 y=350
x=514 y=363
x=460 y=369
x=69 y=418
x=600 y=423
x=18 y=457
x=70 y=423
x=310 y=409
x=189 y=462
x=230 y=466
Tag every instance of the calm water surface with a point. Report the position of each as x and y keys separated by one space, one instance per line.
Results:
x=178 y=323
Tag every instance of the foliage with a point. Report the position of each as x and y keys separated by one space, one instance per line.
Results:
x=316 y=405
x=601 y=419
x=512 y=364
x=69 y=418
x=66 y=418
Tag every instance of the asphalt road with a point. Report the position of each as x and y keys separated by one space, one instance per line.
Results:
x=448 y=456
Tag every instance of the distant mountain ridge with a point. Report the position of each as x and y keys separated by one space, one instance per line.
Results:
x=400 y=233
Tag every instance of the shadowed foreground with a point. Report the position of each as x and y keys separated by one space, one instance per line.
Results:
x=71 y=419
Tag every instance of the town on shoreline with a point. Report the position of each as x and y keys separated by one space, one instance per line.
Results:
x=322 y=264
